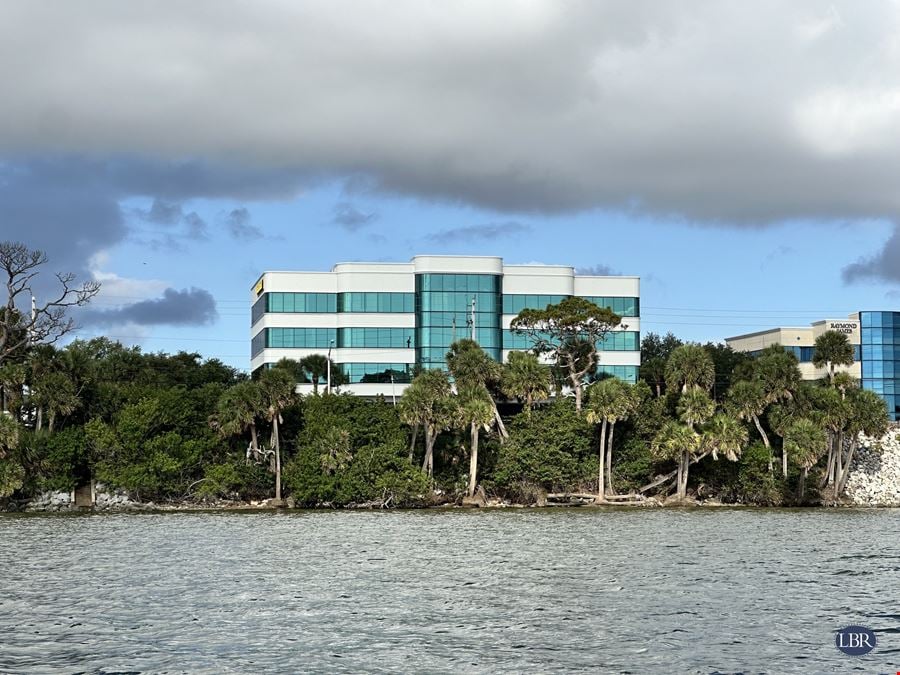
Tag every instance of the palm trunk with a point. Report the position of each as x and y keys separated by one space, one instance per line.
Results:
x=842 y=479
x=578 y=398
x=412 y=443
x=40 y=418
x=254 y=441
x=427 y=465
x=609 y=451
x=784 y=461
x=501 y=428
x=277 y=459
x=828 y=468
x=765 y=440
x=528 y=403
x=315 y=383
x=601 y=490
x=51 y=421
x=801 y=488
x=473 y=460
x=838 y=463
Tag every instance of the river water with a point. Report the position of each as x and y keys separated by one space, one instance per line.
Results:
x=517 y=590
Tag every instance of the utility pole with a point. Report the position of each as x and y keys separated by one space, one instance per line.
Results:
x=473 y=319
x=328 y=381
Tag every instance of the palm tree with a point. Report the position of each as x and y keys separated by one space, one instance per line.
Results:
x=690 y=367
x=868 y=416
x=316 y=368
x=679 y=442
x=609 y=401
x=748 y=401
x=276 y=386
x=238 y=409
x=470 y=366
x=805 y=441
x=428 y=402
x=475 y=409
x=695 y=407
x=9 y=433
x=524 y=377
x=55 y=392
x=831 y=349
x=724 y=434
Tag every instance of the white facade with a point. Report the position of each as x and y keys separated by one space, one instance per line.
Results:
x=802 y=340
x=381 y=319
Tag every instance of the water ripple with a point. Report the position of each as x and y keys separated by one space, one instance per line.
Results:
x=612 y=591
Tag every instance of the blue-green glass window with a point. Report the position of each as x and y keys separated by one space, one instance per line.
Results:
x=377 y=372
x=300 y=338
x=621 y=306
x=626 y=373
x=378 y=338
x=318 y=303
x=515 y=303
x=616 y=341
x=376 y=302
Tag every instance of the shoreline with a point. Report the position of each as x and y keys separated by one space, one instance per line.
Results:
x=262 y=507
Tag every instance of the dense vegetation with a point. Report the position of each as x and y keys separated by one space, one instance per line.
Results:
x=702 y=421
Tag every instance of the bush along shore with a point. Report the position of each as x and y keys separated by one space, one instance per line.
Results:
x=139 y=431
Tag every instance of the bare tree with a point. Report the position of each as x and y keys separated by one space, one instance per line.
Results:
x=40 y=323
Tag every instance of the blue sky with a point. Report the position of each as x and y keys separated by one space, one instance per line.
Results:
x=739 y=157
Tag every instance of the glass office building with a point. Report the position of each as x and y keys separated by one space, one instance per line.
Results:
x=879 y=363
x=875 y=337
x=380 y=322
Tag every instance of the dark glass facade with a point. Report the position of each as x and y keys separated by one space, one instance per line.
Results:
x=806 y=354
x=444 y=314
x=880 y=361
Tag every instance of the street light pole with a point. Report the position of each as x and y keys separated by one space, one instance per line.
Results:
x=393 y=389
x=328 y=381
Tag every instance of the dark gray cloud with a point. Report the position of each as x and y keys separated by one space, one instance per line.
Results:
x=349 y=217
x=187 y=307
x=884 y=265
x=162 y=212
x=486 y=232
x=238 y=224
x=723 y=112
x=595 y=271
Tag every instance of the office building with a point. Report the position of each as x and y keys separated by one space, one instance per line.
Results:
x=378 y=321
x=875 y=337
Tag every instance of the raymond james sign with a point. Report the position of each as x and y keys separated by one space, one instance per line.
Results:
x=846 y=327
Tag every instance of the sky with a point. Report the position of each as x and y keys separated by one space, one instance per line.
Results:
x=741 y=158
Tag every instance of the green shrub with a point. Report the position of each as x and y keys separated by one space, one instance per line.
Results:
x=755 y=484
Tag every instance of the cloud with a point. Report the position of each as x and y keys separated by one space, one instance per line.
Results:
x=188 y=307
x=884 y=265
x=720 y=112
x=595 y=271
x=166 y=213
x=239 y=226
x=162 y=212
x=347 y=216
x=487 y=231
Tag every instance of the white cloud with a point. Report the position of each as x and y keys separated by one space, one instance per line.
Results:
x=116 y=290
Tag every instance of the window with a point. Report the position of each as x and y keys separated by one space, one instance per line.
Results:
x=380 y=338
x=376 y=302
